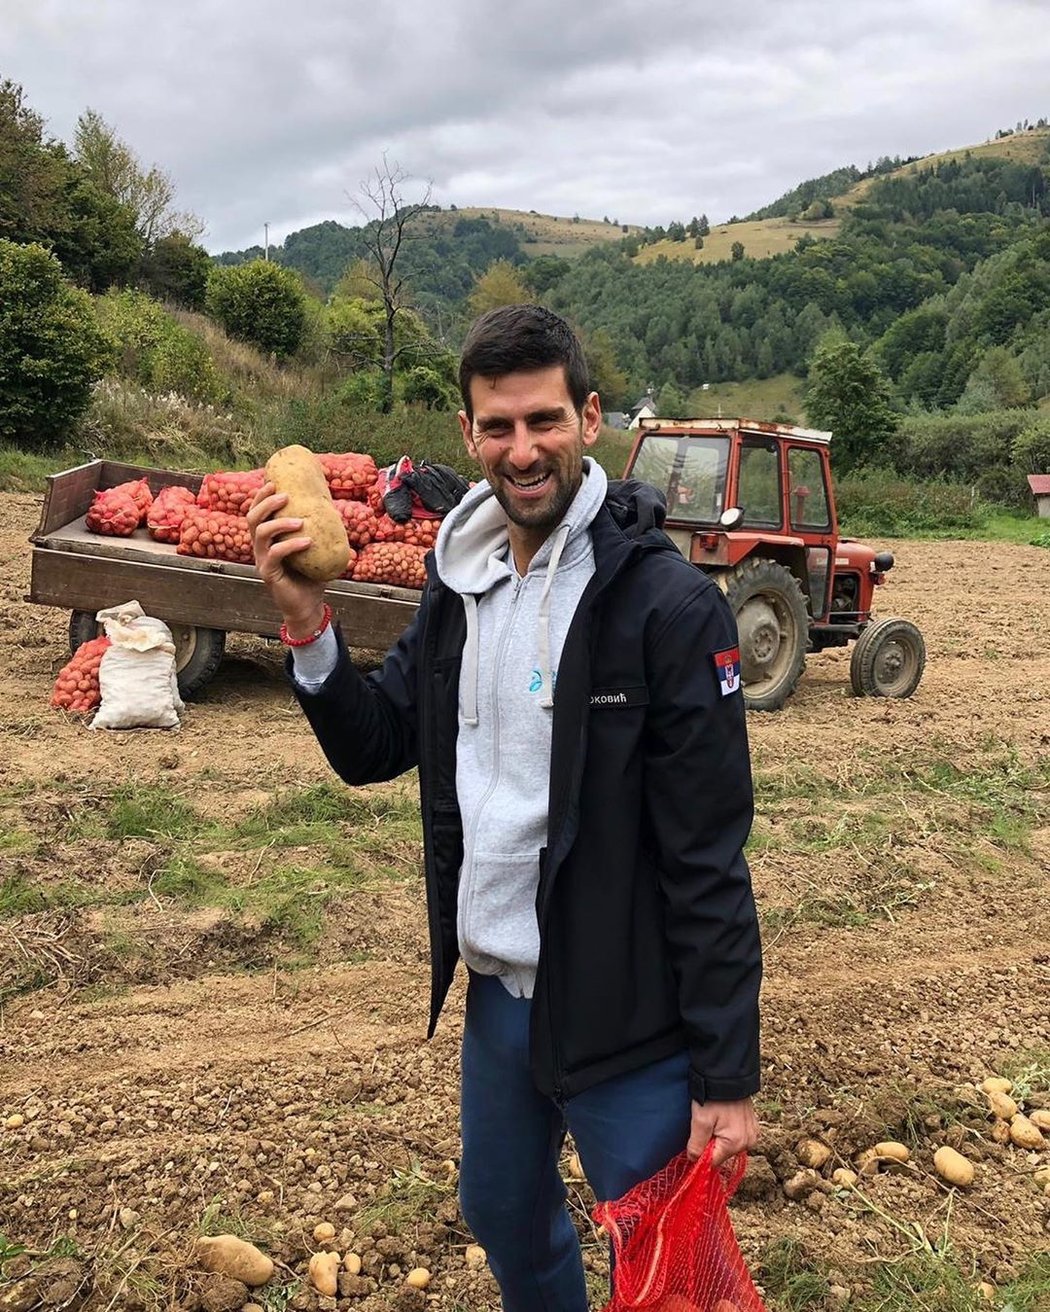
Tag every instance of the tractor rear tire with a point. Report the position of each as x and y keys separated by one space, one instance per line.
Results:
x=773 y=623
x=888 y=659
x=198 y=651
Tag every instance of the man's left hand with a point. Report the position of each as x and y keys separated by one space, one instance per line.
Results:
x=732 y=1125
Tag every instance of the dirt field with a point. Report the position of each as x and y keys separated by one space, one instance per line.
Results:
x=186 y=1048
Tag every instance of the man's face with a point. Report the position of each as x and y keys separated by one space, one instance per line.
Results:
x=529 y=441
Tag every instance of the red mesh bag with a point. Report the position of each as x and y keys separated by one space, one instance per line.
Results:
x=138 y=490
x=76 y=688
x=213 y=535
x=391 y=562
x=359 y=520
x=416 y=532
x=349 y=475
x=165 y=516
x=673 y=1242
x=231 y=493
x=114 y=513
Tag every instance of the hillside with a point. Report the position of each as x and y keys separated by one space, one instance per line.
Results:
x=765 y=237
x=539 y=234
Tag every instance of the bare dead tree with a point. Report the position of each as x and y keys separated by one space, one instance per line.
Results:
x=389 y=220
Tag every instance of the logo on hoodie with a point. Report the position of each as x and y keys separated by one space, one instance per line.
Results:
x=536 y=681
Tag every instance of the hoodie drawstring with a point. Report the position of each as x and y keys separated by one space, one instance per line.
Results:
x=468 y=680
x=544 y=615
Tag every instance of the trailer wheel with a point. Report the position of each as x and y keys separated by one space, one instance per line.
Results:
x=888 y=660
x=773 y=625
x=198 y=651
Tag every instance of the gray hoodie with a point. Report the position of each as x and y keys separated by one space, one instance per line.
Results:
x=516 y=628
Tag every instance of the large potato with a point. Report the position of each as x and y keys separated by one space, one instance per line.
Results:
x=297 y=472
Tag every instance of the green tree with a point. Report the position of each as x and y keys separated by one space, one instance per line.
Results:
x=176 y=270
x=46 y=197
x=261 y=303
x=997 y=383
x=500 y=284
x=51 y=348
x=736 y=251
x=116 y=170
x=426 y=386
x=848 y=394
x=606 y=376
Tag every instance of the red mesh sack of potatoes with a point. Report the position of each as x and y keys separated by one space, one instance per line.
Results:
x=114 y=513
x=138 y=490
x=673 y=1242
x=416 y=532
x=76 y=688
x=391 y=562
x=349 y=574
x=231 y=493
x=165 y=516
x=214 y=535
x=349 y=475
x=359 y=520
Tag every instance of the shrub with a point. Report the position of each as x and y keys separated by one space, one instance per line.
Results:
x=259 y=302
x=51 y=348
x=1031 y=448
x=880 y=501
x=156 y=351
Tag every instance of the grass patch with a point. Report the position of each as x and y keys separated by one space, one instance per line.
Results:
x=19 y=897
x=407 y=1197
x=791 y=1276
x=1031 y=1291
x=1029 y=1070
x=923 y=1282
x=138 y=811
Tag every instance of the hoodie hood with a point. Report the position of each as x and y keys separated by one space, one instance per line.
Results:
x=473 y=554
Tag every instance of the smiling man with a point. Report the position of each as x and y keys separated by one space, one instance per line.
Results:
x=586 y=796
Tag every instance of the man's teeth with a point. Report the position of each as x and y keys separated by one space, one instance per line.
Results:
x=530 y=482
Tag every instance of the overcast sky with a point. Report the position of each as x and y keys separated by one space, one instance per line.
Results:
x=645 y=111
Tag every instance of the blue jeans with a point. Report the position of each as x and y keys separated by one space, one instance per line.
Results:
x=511 y=1192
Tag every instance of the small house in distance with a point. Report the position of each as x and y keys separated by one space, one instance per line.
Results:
x=644 y=408
x=1040 y=485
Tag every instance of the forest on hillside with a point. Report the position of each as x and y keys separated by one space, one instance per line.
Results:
x=919 y=332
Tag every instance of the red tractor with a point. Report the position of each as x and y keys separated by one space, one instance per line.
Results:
x=753 y=504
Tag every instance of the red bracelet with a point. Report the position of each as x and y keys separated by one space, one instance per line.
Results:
x=289 y=641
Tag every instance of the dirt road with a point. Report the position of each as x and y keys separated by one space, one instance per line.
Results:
x=184 y=1064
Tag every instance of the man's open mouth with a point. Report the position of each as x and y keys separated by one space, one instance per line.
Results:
x=532 y=484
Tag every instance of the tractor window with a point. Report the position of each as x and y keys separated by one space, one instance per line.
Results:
x=809 y=496
x=699 y=492
x=758 y=493
x=655 y=461
x=689 y=471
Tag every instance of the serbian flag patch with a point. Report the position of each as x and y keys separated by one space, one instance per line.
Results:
x=727 y=667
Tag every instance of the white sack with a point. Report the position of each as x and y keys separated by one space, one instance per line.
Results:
x=136 y=676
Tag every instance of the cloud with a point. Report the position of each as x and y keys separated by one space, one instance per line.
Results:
x=265 y=113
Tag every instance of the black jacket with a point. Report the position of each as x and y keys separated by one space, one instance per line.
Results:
x=648 y=933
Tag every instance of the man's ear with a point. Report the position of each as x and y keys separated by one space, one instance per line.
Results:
x=592 y=419
x=467 y=429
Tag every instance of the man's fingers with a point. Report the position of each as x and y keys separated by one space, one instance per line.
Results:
x=270 y=529
x=265 y=503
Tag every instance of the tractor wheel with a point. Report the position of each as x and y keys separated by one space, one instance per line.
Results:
x=888 y=660
x=198 y=651
x=773 y=624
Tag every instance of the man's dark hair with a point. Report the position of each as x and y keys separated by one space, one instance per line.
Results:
x=516 y=337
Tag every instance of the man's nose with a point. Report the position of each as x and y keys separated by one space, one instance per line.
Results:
x=522 y=451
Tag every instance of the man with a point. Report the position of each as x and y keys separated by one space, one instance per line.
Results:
x=586 y=795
